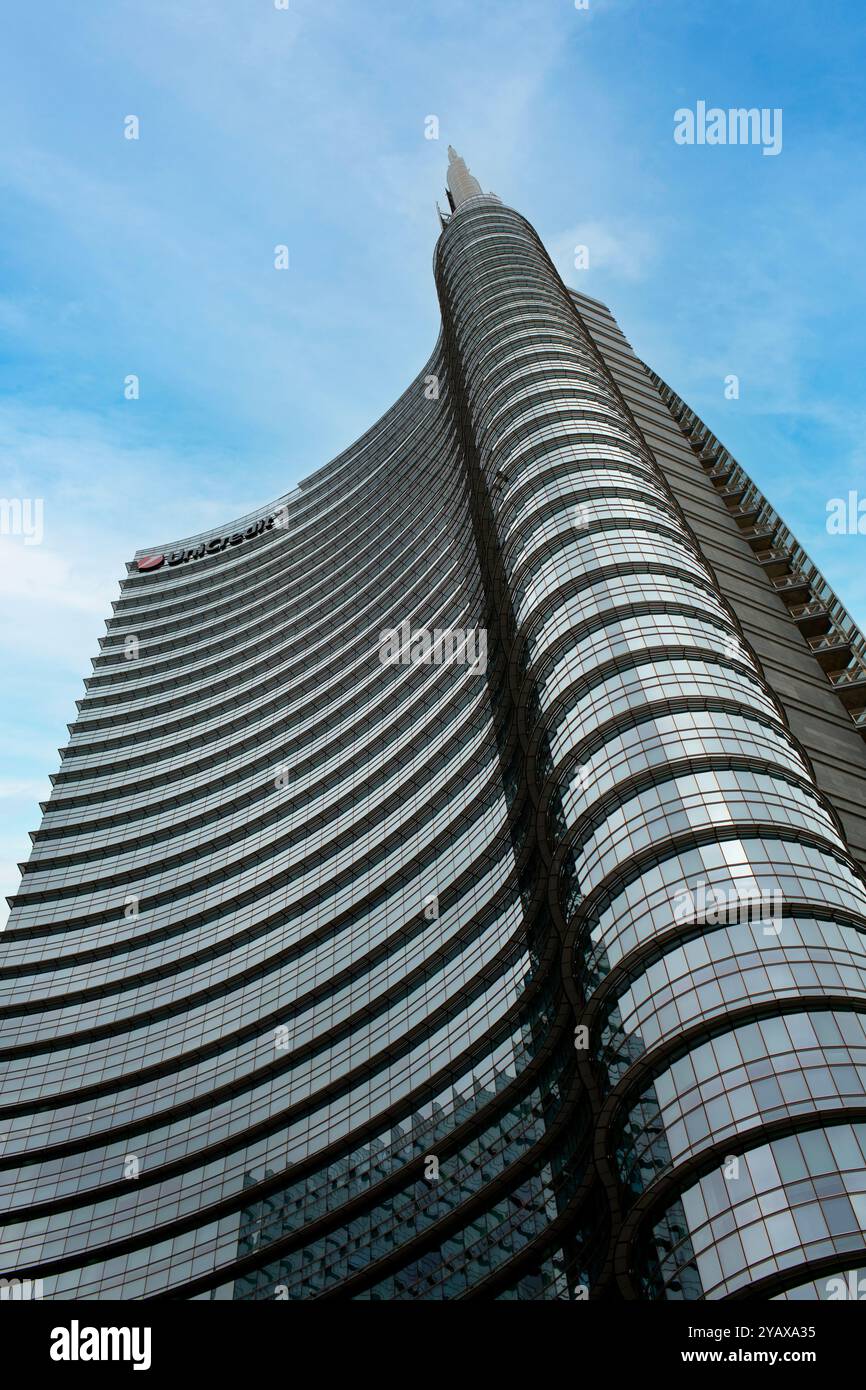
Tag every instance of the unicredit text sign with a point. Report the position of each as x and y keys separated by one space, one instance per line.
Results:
x=213 y=547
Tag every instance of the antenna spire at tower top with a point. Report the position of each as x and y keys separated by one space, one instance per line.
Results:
x=461 y=184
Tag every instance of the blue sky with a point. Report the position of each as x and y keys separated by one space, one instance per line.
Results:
x=305 y=126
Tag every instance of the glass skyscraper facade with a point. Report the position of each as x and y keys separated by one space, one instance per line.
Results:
x=345 y=967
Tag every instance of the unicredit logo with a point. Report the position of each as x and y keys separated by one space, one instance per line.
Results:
x=219 y=543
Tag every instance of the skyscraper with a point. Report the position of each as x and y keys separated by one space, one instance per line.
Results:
x=453 y=886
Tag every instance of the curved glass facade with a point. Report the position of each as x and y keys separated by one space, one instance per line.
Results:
x=356 y=959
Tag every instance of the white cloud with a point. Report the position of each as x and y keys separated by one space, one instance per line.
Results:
x=623 y=251
x=38 y=575
x=24 y=787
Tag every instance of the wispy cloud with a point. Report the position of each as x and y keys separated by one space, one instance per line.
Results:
x=623 y=252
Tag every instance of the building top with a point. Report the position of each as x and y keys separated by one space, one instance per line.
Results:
x=461 y=184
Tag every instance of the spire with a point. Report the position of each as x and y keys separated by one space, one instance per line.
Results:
x=461 y=184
